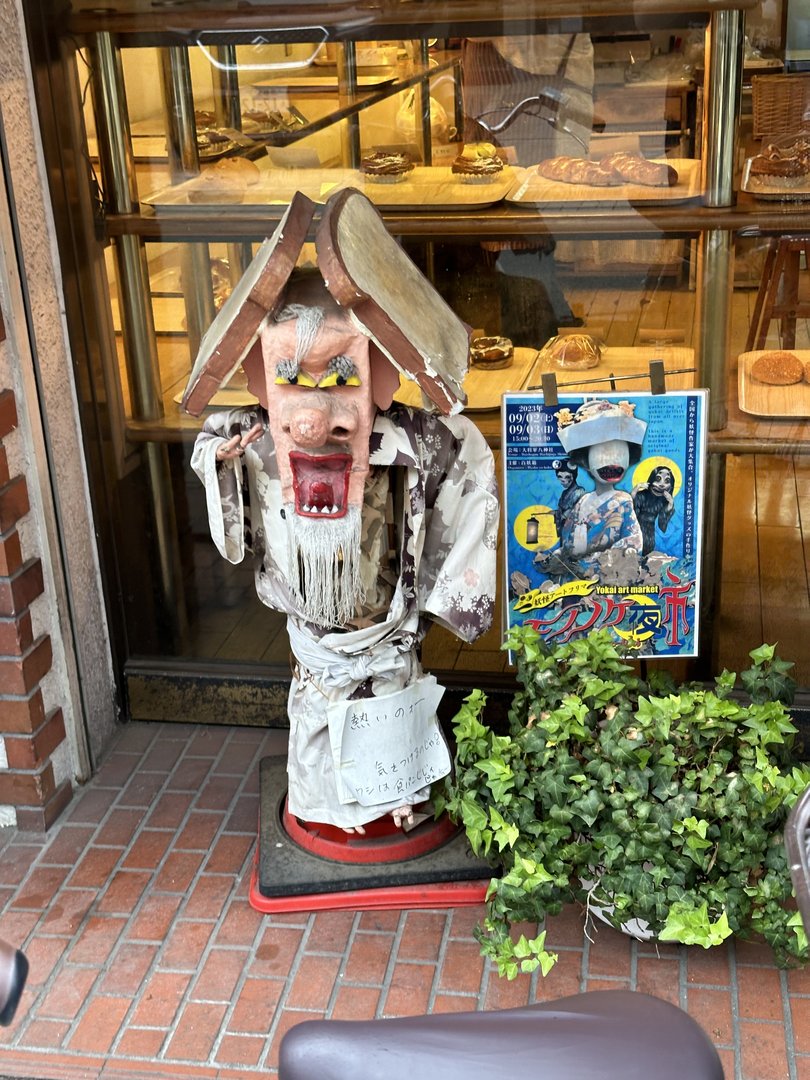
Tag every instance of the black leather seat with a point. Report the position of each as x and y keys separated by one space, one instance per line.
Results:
x=603 y=1035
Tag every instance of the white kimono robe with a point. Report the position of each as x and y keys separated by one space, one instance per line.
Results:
x=447 y=539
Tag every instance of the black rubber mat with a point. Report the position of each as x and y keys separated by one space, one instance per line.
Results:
x=286 y=869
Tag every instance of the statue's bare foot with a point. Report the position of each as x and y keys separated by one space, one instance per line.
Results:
x=358 y=829
x=403 y=816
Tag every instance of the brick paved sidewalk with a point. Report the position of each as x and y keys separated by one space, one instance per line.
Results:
x=147 y=960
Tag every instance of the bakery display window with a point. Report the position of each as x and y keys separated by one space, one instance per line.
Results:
x=579 y=186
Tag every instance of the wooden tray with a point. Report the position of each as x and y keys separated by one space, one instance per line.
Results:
x=617 y=361
x=772 y=192
x=530 y=189
x=759 y=399
x=483 y=388
x=434 y=186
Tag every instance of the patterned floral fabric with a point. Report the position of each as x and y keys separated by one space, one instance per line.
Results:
x=600 y=521
x=438 y=473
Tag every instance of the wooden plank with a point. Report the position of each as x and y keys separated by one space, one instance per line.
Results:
x=782 y=572
x=681 y=315
x=249 y=638
x=789 y=630
x=738 y=624
x=776 y=492
x=440 y=649
x=740 y=544
x=481 y=660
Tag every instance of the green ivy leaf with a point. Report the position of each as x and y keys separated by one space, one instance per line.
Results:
x=692 y=926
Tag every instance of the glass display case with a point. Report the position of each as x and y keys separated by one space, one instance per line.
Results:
x=176 y=133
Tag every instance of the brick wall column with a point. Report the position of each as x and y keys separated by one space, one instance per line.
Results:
x=28 y=735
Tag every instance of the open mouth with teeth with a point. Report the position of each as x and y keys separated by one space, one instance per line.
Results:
x=321 y=484
x=611 y=474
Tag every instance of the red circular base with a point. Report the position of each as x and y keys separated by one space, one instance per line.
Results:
x=382 y=842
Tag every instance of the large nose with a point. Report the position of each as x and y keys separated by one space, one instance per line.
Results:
x=314 y=424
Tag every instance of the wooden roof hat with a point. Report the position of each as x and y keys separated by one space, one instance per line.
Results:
x=368 y=274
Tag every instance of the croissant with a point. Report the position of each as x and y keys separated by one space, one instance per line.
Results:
x=635 y=169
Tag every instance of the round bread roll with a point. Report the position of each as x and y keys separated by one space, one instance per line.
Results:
x=807 y=371
x=578 y=352
x=778 y=368
x=247 y=172
x=224 y=182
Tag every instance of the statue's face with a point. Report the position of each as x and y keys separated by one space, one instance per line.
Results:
x=320 y=409
x=609 y=461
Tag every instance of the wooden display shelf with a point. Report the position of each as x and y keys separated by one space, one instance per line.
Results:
x=500 y=222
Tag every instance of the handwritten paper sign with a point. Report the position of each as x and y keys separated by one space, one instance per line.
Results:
x=386 y=748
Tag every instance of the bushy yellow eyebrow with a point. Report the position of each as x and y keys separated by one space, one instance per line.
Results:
x=340 y=372
x=289 y=373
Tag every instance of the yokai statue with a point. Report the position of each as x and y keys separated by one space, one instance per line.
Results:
x=365 y=519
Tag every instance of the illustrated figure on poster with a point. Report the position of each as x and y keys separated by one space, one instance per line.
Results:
x=603 y=438
x=654 y=504
x=366 y=519
x=566 y=472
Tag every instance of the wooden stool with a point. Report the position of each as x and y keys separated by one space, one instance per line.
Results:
x=778 y=296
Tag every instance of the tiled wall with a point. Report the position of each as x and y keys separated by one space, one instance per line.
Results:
x=29 y=790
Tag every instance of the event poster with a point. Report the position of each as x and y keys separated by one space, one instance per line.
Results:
x=602 y=513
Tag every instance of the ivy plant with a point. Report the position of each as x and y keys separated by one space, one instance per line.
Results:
x=650 y=801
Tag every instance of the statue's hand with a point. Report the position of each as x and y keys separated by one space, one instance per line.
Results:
x=235 y=447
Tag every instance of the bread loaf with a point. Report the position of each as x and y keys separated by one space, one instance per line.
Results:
x=635 y=169
x=570 y=170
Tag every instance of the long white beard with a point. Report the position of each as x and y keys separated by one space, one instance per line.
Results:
x=325 y=566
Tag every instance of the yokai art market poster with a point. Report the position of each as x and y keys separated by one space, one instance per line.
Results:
x=602 y=513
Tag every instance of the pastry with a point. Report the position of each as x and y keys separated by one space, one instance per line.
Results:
x=491 y=353
x=224 y=182
x=577 y=352
x=478 y=163
x=212 y=142
x=778 y=368
x=635 y=169
x=781 y=166
x=386 y=166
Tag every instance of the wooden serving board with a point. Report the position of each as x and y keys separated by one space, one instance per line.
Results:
x=531 y=189
x=760 y=399
x=483 y=388
x=617 y=361
x=433 y=186
x=275 y=187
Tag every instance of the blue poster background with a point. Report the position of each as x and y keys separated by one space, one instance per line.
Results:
x=648 y=599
